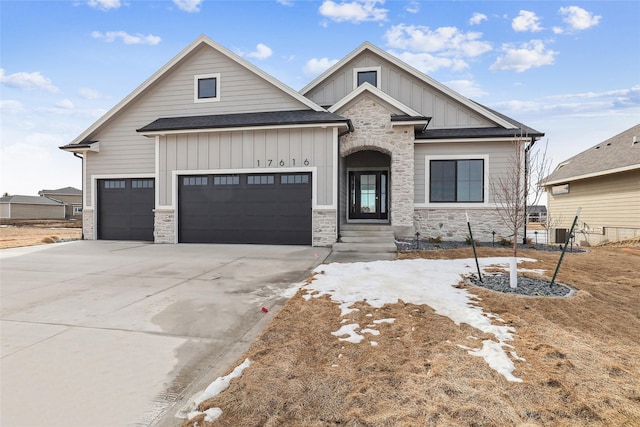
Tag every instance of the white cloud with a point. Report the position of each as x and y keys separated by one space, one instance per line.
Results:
x=111 y=36
x=29 y=81
x=355 y=11
x=529 y=55
x=10 y=106
x=285 y=2
x=65 y=104
x=448 y=41
x=428 y=63
x=477 y=18
x=315 y=66
x=188 y=5
x=88 y=93
x=526 y=21
x=468 y=88
x=578 y=18
x=413 y=7
x=104 y=4
x=262 y=52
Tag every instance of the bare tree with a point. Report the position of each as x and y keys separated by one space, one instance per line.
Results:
x=518 y=186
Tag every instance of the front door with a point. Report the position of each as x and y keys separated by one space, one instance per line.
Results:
x=368 y=195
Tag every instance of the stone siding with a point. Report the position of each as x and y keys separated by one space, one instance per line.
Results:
x=325 y=230
x=451 y=224
x=88 y=225
x=373 y=131
x=164 y=226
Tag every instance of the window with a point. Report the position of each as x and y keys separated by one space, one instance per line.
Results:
x=294 y=179
x=142 y=183
x=369 y=75
x=77 y=209
x=206 y=87
x=560 y=189
x=260 y=179
x=195 y=180
x=226 y=180
x=456 y=181
x=112 y=184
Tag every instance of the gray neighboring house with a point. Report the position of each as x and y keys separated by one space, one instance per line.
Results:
x=70 y=196
x=604 y=181
x=213 y=149
x=31 y=207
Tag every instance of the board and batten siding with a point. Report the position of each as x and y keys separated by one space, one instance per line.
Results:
x=499 y=155
x=406 y=88
x=123 y=151
x=606 y=201
x=249 y=150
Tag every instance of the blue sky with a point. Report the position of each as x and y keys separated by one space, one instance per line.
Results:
x=569 y=69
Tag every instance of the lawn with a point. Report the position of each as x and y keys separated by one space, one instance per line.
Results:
x=578 y=358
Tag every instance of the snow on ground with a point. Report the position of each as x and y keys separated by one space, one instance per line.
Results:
x=190 y=410
x=420 y=281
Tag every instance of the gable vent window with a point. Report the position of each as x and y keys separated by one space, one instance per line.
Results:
x=206 y=87
x=369 y=75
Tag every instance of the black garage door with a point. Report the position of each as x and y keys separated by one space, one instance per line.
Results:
x=125 y=209
x=264 y=208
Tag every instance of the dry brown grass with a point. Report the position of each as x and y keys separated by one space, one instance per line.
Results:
x=15 y=234
x=582 y=356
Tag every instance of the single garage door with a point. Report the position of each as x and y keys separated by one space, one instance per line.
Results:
x=257 y=208
x=125 y=209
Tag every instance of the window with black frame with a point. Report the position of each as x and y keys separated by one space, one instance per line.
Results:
x=456 y=181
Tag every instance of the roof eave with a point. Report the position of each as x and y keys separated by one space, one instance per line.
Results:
x=591 y=175
x=204 y=129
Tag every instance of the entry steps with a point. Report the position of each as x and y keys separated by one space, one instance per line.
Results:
x=369 y=238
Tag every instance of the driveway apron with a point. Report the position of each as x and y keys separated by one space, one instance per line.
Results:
x=108 y=333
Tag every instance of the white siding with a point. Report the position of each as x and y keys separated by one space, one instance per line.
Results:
x=499 y=153
x=249 y=150
x=402 y=86
x=124 y=151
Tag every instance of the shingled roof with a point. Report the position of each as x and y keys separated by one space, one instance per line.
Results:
x=270 y=118
x=29 y=200
x=616 y=154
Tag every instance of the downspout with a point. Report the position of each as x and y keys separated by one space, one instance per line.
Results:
x=82 y=217
x=341 y=134
x=526 y=186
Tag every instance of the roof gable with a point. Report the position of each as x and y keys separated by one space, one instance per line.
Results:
x=175 y=62
x=368 y=88
x=616 y=154
x=368 y=48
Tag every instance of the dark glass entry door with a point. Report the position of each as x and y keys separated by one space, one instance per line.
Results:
x=368 y=195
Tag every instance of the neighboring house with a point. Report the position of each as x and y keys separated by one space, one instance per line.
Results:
x=537 y=213
x=71 y=197
x=30 y=207
x=213 y=149
x=605 y=182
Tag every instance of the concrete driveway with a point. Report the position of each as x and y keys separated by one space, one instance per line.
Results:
x=121 y=333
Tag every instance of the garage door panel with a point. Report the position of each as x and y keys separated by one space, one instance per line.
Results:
x=125 y=209
x=254 y=209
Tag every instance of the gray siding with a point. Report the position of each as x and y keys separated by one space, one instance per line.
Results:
x=500 y=156
x=406 y=88
x=124 y=151
x=268 y=150
x=26 y=211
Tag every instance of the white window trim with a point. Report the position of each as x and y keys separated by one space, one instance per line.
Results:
x=378 y=71
x=198 y=77
x=427 y=187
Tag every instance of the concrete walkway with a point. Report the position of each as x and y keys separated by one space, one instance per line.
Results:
x=120 y=333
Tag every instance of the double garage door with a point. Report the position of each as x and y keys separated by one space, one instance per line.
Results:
x=255 y=208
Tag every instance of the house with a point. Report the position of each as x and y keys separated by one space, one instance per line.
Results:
x=213 y=149
x=537 y=213
x=31 y=207
x=71 y=197
x=604 y=181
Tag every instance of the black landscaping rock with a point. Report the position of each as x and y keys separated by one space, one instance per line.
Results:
x=526 y=286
